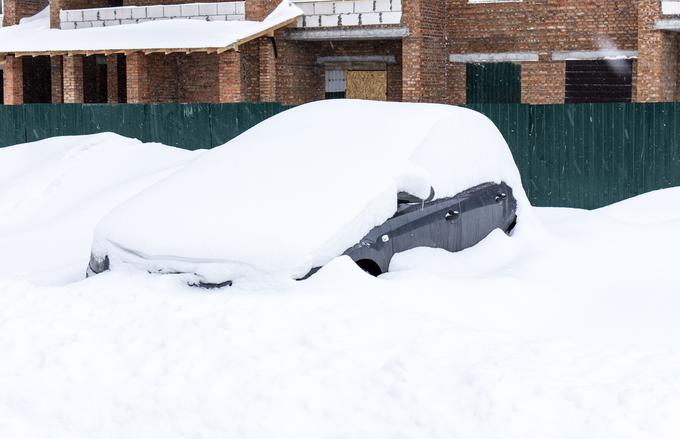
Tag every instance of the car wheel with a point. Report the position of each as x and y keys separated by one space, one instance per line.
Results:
x=369 y=266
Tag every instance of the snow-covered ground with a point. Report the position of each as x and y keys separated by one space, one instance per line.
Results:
x=567 y=331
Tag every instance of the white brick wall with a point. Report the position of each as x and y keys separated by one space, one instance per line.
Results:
x=331 y=13
x=98 y=17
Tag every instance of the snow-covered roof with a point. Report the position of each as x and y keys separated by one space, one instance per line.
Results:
x=34 y=35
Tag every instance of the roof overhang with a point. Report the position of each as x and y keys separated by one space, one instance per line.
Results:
x=171 y=36
x=335 y=34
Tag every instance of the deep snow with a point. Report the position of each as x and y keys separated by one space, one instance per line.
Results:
x=572 y=335
x=279 y=200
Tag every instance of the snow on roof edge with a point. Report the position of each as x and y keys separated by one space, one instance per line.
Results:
x=34 y=36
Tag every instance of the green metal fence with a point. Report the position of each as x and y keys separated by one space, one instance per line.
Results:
x=591 y=155
x=587 y=155
x=190 y=126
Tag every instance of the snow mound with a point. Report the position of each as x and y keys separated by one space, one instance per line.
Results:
x=300 y=188
x=53 y=193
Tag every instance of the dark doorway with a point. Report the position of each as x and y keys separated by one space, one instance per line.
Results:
x=494 y=83
x=2 y=85
x=599 y=81
x=37 y=79
x=95 y=80
x=122 y=78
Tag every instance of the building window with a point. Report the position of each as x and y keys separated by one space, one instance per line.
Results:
x=494 y=83
x=336 y=84
x=599 y=81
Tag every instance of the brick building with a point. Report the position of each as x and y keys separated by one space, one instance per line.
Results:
x=452 y=51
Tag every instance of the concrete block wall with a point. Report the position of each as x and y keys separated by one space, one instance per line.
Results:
x=99 y=17
x=330 y=13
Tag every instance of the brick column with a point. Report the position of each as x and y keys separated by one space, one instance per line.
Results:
x=267 y=70
x=658 y=58
x=230 y=82
x=73 y=79
x=57 y=79
x=424 y=51
x=137 y=71
x=13 y=83
x=457 y=83
x=112 y=79
x=257 y=10
x=543 y=82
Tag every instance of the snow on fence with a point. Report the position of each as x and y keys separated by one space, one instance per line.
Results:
x=328 y=13
x=587 y=155
x=100 y=17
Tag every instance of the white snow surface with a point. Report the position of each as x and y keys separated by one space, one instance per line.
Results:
x=53 y=188
x=34 y=34
x=577 y=337
x=300 y=188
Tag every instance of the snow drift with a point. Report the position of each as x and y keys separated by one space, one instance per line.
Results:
x=53 y=193
x=300 y=188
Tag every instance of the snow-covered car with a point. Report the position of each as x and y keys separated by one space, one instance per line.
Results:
x=363 y=179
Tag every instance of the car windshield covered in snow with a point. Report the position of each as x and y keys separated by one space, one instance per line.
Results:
x=312 y=183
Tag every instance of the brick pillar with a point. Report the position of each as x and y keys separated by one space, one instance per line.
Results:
x=658 y=58
x=257 y=10
x=457 y=83
x=73 y=79
x=230 y=81
x=112 y=79
x=13 y=83
x=55 y=6
x=57 y=79
x=267 y=70
x=137 y=71
x=543 y=82
x=424 y=51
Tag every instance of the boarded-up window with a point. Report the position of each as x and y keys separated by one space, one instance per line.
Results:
x=367 y=84
x=335 y=84
x=599 y=81
x=494 y=83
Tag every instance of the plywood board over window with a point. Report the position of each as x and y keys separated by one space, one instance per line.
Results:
x=367 y=84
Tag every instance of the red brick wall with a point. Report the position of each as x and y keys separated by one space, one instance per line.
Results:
x=425 y=51
x=197 y=78
x=15 y=10
x=13 y=81
x=541 y=26
x=543 y=82
x=457 y=83
x=57 y=80
x=137 y=73
x=658 y=69
x=301 y=79
x=256 y=10
x=230 y=86
x=73 y=79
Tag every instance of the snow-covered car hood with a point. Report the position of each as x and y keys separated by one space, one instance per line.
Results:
x=300 y=188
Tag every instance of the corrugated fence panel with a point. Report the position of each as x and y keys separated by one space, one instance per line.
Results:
x=586 y=155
